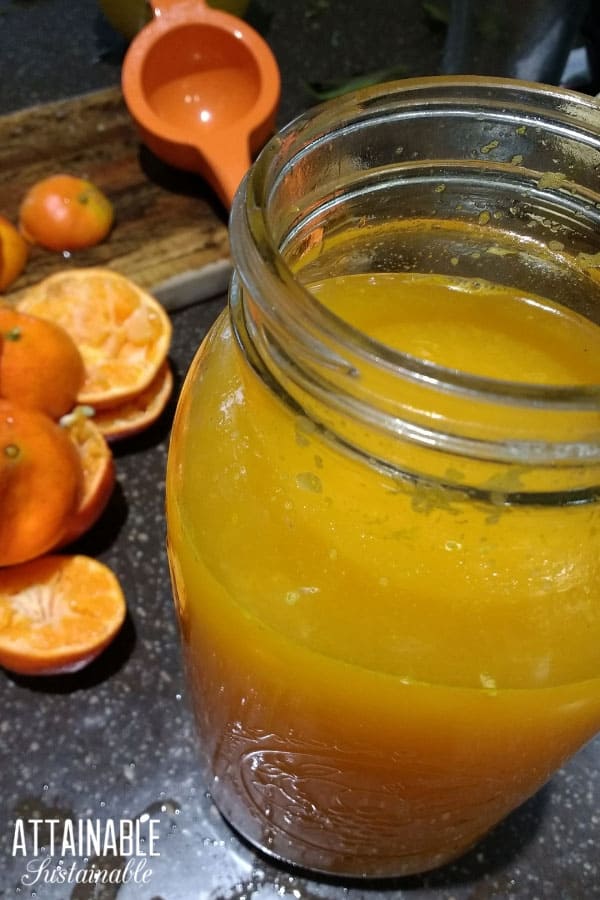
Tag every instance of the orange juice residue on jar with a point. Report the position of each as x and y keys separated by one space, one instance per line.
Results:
x=382 y=667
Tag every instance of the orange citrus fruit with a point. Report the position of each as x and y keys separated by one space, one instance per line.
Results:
x=98 y=468
x=40 y=366
x=64 y=212
x=57 y=613
x=40 y=483
x=13 y=253
x=138 y=413
x=122 y=332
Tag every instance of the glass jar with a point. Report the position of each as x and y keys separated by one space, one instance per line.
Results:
x=386 y=566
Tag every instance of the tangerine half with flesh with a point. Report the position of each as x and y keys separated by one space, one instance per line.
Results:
x=57 y=613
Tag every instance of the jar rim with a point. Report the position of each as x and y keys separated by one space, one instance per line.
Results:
x=287 y=304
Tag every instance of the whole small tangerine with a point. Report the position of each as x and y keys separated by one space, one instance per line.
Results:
x=13 y=253
x=64 y=212
x=40 y=365
x=40 y=483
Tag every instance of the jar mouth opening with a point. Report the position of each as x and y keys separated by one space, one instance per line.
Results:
x=302 y=182
x=261 y=183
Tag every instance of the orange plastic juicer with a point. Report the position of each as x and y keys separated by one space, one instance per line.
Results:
x=203 y=88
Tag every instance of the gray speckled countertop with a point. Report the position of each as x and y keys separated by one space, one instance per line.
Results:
x=116 y=740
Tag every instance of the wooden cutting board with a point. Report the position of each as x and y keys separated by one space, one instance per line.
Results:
x=169 y=227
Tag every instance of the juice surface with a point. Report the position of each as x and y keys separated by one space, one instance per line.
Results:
x=474 y=326
x=382 y=670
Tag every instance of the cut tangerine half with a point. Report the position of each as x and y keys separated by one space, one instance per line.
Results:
x=57 y=613
x=121 y=331
x=98 y=467
x=40 y=483
x=138 y=413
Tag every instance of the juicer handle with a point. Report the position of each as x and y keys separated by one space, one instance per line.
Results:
x=227 y=165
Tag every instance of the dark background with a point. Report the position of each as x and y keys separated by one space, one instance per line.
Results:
x=59 y=48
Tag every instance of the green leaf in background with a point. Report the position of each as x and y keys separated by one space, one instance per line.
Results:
x=326 y=90
x=437 y=11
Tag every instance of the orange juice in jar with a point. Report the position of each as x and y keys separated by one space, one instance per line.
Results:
x=383 y=480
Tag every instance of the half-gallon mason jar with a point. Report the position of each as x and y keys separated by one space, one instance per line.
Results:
x=384 y=476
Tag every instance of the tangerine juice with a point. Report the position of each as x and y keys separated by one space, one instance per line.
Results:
x=383 y=666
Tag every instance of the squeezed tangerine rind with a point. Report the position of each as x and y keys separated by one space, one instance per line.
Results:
x=122 y=332
x=140 y=412
x=99 y=474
